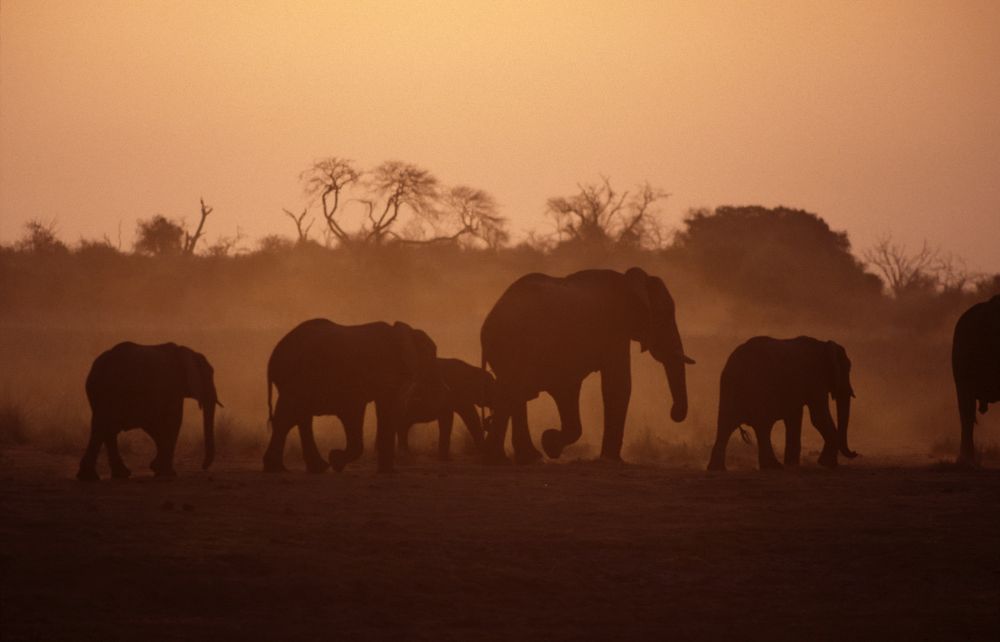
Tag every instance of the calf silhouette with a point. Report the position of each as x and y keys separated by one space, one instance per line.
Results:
x=467 y=387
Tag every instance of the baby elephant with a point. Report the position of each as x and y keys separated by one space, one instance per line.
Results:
x=136 y=386
x=768 y=379
x=466 y=387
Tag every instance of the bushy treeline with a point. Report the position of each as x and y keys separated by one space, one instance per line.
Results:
x=759 y=263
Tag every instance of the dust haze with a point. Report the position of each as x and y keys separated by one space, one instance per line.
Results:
x=64 y=308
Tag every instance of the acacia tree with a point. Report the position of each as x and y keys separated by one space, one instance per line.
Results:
x=191 y=240
x=397 y=185
x=598 y=215
x=329 y=177
x=467 y=214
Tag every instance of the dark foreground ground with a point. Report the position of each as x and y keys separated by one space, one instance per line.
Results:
x=458 y=551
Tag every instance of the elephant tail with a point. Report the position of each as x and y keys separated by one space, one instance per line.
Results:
x=744 y=435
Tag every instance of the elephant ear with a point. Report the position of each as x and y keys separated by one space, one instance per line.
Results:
x=637 y=282
x=194 y=377
x=837 y=363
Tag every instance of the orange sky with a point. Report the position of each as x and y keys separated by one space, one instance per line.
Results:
x=879 y=116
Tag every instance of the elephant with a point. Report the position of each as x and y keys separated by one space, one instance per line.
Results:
x=549 y=333
x=767 y=379
x=466 y=387
x=975 y=365
x=323 y=368
x=144 y=386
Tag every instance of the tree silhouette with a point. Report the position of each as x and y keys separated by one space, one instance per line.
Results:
x=159 y=236
x=597 y=215
x=329 y=177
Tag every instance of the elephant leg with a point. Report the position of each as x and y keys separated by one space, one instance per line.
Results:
x=724 y=429
x=493 y=450
x=281 y=425
x=118 y=468
x=524 y=451
x=793 y=437
x=403 y=437
x=765 y=453
x=616 y=390
x=445 y=423
x=472 y=423
x=164 y=434
x=88 y=464
x=967 y=416
x=568 y=403
x=388 y=416
x=354 y=421
x=819 y=415
x=310 y=453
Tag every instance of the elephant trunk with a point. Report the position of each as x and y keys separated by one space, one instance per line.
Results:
x=677 y=379
x=843 y=417
x=208 y=416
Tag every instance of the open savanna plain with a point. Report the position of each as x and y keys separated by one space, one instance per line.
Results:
x=903 y=548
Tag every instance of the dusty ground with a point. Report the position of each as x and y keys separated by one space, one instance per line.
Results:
x=875 y=550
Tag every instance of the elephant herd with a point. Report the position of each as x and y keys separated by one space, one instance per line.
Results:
x=544 y=334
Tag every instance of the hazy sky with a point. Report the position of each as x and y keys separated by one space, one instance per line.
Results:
x=882 y=117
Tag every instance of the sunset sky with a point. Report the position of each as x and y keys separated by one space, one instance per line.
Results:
x=882 y=117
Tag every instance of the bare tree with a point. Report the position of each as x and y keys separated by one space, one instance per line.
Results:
x=303 y=232
x=41 y=238
x=926 y=269
x=329 y=177
x=191 y=240
x=599 y=215
x=227 y=245
x=467 y=213
x=400 y=185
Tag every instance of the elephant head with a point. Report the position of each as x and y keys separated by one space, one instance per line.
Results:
x=199 y=384
x=422 y=378
x=654 y=326
x=839 y=386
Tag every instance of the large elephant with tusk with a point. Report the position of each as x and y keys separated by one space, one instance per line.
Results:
x=324 y=368
x=547 y=334
x=139 y=386
x=766 y=380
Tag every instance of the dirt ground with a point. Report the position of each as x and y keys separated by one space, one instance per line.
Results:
x=878 y=549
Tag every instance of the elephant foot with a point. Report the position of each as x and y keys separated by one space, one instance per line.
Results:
x=274 y=467
x=444 y=456
x=791 y=463
x=553 y=443
x=525 y=457
x=495 y=458
x=339 y=459
x=966 y=462
x=717 y=462
x=120 y=473
x=773 y=464
x=828 y=460
x=316 y=467
x=168 y=473
x=87 y=475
